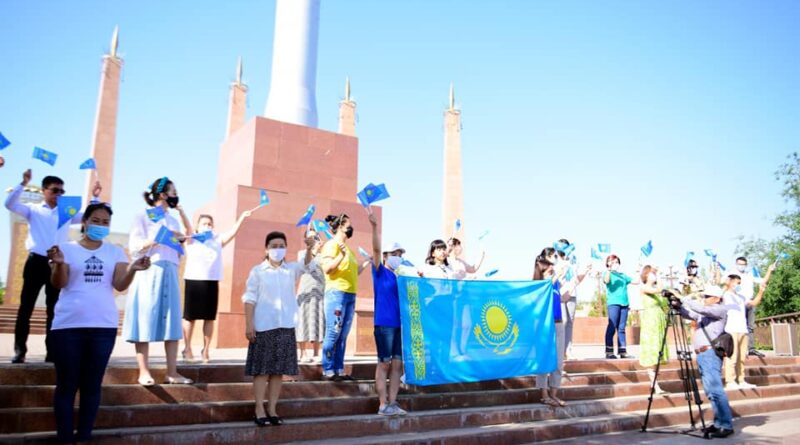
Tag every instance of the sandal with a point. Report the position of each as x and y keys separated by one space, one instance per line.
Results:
x=560 y=402
x=146 y=381
x=178 y=381
x=550 y=402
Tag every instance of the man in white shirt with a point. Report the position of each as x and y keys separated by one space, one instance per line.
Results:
x=43 y=233
x=747 y=290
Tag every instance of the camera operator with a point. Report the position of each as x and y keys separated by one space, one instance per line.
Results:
x=711 y=317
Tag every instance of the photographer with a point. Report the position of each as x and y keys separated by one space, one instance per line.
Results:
x=711 y=317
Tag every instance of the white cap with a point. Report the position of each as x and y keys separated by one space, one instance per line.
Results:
x=394 y=247
x=713 y=291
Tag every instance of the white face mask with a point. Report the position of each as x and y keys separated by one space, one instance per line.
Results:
x=615 y=267
x=394 y=261
x=652 y=277
x=277 y=255
x=741 y=268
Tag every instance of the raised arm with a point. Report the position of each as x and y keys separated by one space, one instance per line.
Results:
x=231 y=234
x=377 y=255
x=12 y=200
x=762 y=288
x=474 y=269
x=187 y=224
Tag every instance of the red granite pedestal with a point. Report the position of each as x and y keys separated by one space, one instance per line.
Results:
x=298 y=166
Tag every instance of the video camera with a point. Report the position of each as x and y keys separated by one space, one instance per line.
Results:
x=673 y=297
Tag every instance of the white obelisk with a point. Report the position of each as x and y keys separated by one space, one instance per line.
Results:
x=292 y=92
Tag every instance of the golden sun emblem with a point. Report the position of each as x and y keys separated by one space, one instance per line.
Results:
x=497 y=329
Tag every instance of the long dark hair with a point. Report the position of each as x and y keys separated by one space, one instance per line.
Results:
x=336 y=221
x=436 y=244
x=158 y=187
x=541 y=266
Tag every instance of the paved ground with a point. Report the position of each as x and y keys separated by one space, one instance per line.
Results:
x=781 y=427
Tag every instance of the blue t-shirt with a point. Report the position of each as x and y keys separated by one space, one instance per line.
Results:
x=557 y=301
x=387 y=297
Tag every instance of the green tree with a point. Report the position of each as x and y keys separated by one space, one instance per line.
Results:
x=783 y=294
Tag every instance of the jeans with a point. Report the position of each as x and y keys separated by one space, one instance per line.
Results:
x=35 y=275
x=617 y=319
x=710 y=372
x=80 y=356
x=339 y=310
x=568 y=314
x=750 y=313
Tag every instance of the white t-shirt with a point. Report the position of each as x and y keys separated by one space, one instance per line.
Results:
x=88 y=299
x=434 y=271
x=204 y=260
x=272 y=291
x=737 y=321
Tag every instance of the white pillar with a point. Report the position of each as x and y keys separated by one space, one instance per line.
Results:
x=292 y=92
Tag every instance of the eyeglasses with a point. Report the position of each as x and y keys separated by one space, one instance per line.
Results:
x=57 y=190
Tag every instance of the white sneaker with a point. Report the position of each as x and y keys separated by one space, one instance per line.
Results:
x=397 y=410
x=732 y=385
x=385 y=411
x=745 y=385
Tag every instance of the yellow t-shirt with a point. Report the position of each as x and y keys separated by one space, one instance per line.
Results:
x=344 y=277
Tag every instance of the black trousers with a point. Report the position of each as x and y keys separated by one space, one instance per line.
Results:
x=35 y=275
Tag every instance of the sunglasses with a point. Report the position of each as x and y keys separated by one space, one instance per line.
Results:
x=57 y=190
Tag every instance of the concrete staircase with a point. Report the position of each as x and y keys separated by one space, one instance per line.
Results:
x=8 y=318
x=603 y=396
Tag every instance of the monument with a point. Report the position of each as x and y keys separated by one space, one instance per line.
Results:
x=296 y=163
x=453 y=190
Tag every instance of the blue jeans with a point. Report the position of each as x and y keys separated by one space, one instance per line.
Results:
x=80 y=357
x=711 y=374
x=339 y=310
x=617 y=319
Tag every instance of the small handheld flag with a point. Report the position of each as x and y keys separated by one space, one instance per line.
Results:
x=559 y=246
x=569 y=275
x=264 y=198
x=321 y=226
x=689 y=256
x=88 y=164
x=68 y=207
x=407 y=263
x=491 y=272
x=483 y=235
x=203 y=236
x=306 y=218
x=363 y=252
x=783 y=256
x=156 y=214
x=647 y=249
x=458 y=225
x=721 y=266
x=372 y=193
x=167 y=238
x=44 y=155
x=604 y=248
x=569 y=250
x=596 y=254
x=4 y=142
x=756 y=273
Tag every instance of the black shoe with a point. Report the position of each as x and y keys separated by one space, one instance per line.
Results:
x=626 y=355
x=712 y=429
x=722 y=432
x=756 y=353
x=19 y=358
x=347 y=377
x=275 y=420
x=48 y=359
x=261 y=421
x=332 y=378
x=610 y=356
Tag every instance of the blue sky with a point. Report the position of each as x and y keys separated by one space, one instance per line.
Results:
x=611 y=122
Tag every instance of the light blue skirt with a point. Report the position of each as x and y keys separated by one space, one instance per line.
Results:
x=153 y=306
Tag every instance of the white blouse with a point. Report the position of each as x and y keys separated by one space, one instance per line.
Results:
x=144 y=230
x=204 y=260
x=440 y=271
x=272 y=291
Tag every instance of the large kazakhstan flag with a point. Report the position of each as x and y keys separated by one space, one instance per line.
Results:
x=466 y=331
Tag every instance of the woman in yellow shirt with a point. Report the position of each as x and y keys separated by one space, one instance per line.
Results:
x=341 y=282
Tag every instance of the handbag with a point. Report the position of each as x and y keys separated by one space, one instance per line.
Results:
x=723 y=345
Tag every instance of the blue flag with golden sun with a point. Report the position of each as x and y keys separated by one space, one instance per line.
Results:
x=458 y=331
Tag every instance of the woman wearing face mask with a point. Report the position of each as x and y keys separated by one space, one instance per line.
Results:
x=85 y=325
x=618 y=306
x=270 y=307
x=153 y=306
x=654 y=323
x=436 y=264
x=550 y=382
x=460 y=267
x=310 y=292
x=201 y=280
x=341 y=283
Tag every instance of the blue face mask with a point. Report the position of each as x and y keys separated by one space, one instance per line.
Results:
x=96 y=233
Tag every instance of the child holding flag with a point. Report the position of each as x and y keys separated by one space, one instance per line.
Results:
x=153 y=306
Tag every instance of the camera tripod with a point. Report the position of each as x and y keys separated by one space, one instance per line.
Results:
x=687 y=373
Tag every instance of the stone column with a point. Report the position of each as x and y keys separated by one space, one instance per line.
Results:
x=453 y=191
